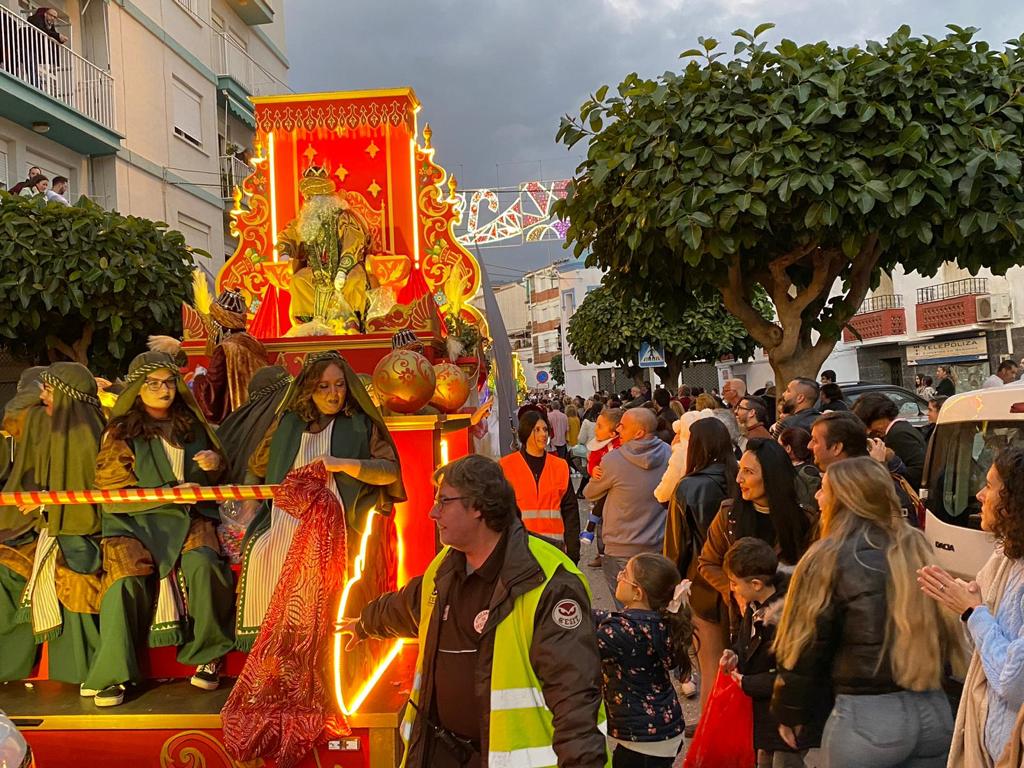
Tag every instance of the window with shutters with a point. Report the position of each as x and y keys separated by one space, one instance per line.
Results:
x=188 y=113
x=4 y=181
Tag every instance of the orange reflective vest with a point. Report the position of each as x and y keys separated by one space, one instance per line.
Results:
x=540 y=503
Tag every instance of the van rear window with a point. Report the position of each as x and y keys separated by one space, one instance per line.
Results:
x=960 y=457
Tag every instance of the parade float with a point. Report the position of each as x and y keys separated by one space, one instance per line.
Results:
x=344 y=242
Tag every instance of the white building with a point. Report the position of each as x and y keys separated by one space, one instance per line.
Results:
x=515 y=314
x=911 y=324
x=575 y=281
x=545 y=310
x=144 y=107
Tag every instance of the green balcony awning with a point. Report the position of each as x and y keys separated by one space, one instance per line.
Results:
x=22 y=104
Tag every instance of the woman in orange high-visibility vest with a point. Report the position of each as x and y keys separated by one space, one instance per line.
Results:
x=544 y=493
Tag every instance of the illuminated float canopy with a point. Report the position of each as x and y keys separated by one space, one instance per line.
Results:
x=345 y=233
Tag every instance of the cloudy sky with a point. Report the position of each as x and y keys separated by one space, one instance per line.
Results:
x=495 y=76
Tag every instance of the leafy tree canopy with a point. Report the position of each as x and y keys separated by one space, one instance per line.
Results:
x=800 y=166
x=609 y=326
x=87 y=284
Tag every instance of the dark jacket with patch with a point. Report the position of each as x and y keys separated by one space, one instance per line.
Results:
x=565 y=660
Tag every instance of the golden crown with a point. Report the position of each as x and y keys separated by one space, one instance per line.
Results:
x=315 y=181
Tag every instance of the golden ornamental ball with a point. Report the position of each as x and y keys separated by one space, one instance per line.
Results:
x=404 y=381
x=452 y=388
x=371 y=390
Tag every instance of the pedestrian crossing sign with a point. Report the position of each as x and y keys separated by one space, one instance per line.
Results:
x=651 y=356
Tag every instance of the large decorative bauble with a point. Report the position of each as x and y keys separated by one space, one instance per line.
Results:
x=404 y=381
x=451 y=389
x=371 y=390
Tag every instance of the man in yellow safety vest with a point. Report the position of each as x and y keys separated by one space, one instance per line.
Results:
x=508 y=670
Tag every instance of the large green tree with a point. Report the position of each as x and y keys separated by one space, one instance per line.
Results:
x=609 y=326
x=89 y=285
x=806 y=170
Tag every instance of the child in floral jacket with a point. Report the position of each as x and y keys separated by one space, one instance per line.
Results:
x=639 y=647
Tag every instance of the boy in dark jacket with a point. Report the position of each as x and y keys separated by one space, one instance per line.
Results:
x=752 y=567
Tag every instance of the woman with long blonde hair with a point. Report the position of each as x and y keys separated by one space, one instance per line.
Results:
x=856 y=623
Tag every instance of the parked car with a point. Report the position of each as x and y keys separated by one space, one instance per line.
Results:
x=913 y=407
x=972 y=427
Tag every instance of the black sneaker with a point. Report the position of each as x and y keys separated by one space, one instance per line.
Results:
x=111 y=696
x=207 y=676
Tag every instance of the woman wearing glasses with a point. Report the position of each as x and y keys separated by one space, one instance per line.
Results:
x=157 y=438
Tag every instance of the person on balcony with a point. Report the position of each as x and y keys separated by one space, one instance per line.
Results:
x=58 y=191
x=36 y=52
x=27 y=188
x=45 y=19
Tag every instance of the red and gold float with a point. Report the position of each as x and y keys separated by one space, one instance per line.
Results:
x=345 y=238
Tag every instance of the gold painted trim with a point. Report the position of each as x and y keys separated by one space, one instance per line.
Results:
x=292 y=98
x=335 y=342
x=314 y=343
x=391 y=183
x=168 y=722
x=446 y=422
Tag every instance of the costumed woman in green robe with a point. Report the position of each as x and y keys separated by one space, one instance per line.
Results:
x=61 y=600
x=23 y=414
x=328 y=416
x=162 y=555
x=242 y=431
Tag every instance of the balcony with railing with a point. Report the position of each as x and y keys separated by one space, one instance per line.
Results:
x=879 y=317
x=239 y=76
x=47 y=87
x=253 y=12
x=949 y=305
x=232 y=172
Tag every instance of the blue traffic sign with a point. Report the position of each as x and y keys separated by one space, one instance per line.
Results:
x=651 y=356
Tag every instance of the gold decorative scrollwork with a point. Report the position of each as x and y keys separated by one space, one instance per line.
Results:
x=198 y=749
x=242 y=271
x=443 y=254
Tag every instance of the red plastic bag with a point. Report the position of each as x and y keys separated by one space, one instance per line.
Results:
x=725 y=734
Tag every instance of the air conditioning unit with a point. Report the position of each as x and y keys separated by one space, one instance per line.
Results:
x=994 y=306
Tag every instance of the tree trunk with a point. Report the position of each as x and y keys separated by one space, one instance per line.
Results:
x=803 y=363
x=670 y=373
x=77 y=352
x=787 y=340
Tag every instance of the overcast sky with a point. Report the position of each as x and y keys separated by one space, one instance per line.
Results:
x=495 y=76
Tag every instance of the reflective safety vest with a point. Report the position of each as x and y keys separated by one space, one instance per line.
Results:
x=540 y=502
x=521 y=729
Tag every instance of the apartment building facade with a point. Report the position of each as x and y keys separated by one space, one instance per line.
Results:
x=143 y=106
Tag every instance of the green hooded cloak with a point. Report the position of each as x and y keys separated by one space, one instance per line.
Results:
x=358 y=496
x=75 y=429
x=27 y=470
x=162 y=528
x=242 y=431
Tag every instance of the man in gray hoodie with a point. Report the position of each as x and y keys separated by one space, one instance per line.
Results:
x=634 y=521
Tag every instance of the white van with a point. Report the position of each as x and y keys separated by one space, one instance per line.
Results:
x=971 y=429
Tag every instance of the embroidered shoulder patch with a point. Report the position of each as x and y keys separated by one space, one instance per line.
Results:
x=567 y=614
x=480 y=621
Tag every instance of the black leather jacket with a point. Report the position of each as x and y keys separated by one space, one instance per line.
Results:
x=846 y=652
